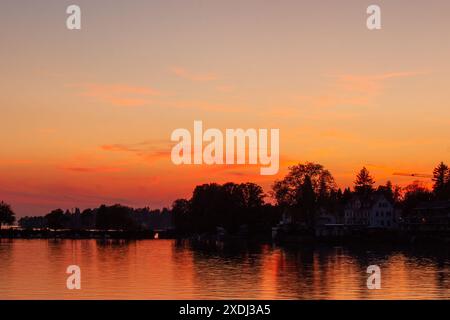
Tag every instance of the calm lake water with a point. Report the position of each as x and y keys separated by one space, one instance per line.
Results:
x=166 y=269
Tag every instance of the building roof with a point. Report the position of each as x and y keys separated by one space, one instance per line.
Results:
x=367 y=201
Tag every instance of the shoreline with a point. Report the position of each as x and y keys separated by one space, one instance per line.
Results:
x=85 y=234
x=398 y=238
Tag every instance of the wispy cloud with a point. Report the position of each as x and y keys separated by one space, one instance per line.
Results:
x=118 y=94
x=192 y=76
x=149 y=151
x=207 y=106
x=58 y=194
x=370 y=84
x=93 y=169
x=349 y=90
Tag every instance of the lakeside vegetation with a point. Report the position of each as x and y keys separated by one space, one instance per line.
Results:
x=307 y=191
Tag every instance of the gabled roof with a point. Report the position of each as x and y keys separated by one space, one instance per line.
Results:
x=368 y=201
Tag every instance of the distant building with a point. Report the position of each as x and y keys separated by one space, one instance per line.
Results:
x=325 y=218
x=430 y=216
x=372 y=211
x=328 y=226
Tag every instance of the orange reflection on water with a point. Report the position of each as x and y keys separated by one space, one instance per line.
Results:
x=166 y=269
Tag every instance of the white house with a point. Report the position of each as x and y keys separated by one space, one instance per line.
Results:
x=374 y=211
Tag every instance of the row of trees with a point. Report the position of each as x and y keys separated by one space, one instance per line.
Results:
x=116 y=217
x=231 y=206
x=417 y=193
x=310 y=188
x=307 y=188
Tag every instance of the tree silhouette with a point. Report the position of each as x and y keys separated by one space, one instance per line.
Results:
x=308 y=201
x=441 y=178
x=304 y=189
x=181 y=210
x=57 y=219
x=391 y=192
x=116 y=217
x=7 y=216
x=346 y=195
x=253 y=195
x=364 y=182
x=230 y=206
x=288 y=191
x=415 y=194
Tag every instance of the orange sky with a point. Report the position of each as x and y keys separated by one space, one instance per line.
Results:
x=87 y=115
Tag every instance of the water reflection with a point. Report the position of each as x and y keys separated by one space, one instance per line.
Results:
x=166 y=269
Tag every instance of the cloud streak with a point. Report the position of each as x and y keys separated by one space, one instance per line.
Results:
x=118 y=94
x=93 y=169
x=346 y=90
x=149 y=151
x=370 y=84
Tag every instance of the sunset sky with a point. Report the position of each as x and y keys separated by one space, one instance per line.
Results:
x=87 y=115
